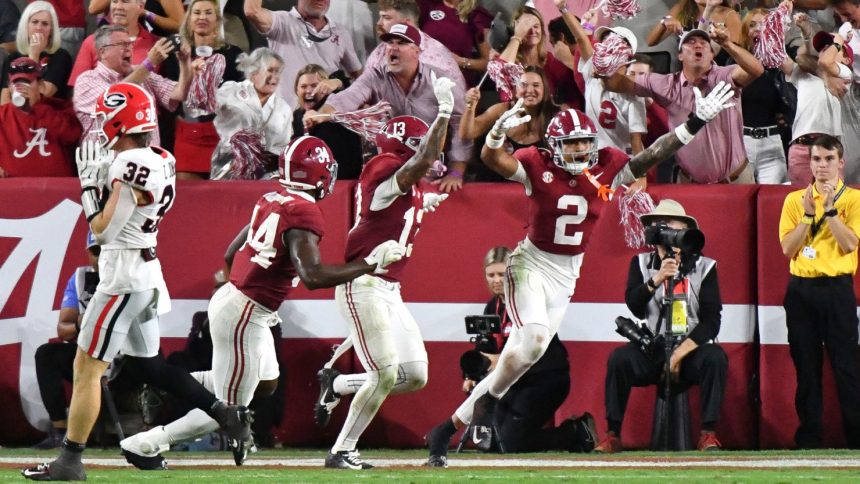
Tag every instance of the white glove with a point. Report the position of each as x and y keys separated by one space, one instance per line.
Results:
x=384 y=255
x=433 y=200
x=708 y=107
x=443 y=88
x=92 y=160
x=509 y=119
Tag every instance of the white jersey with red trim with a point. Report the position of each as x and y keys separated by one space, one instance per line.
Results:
x=151 y=170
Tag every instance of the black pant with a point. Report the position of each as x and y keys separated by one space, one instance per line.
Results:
x=628 y=367
x=823 y=311
x=528 y=406
x=54 y=363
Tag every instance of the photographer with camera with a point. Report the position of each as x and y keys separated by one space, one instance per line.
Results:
x=529 y=404
x=696 y=309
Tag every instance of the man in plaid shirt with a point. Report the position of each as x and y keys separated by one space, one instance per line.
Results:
x=114 y=65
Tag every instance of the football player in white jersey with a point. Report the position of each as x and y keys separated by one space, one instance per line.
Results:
x=127 y=188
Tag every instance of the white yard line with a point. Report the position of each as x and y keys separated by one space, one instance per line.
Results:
x=490 y=463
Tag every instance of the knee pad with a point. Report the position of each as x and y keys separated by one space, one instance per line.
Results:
x=413 y=375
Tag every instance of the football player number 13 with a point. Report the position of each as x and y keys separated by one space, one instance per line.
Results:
x=568 y=202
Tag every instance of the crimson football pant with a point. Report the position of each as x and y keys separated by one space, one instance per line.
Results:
x=628 y=367
x=53 y=365
x=821 y=313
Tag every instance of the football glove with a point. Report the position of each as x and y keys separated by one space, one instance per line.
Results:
x=443 y=88
x=384 y=255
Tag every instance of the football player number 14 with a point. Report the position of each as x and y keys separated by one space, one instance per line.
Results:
x=567 y=203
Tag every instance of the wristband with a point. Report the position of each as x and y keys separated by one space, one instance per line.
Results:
x=148 y=65
x=589 y=26
x=806 y=219
x=810 y=215
x=495 y=142
x=683 y=134
x=443 y=113
x=90 y=202
x=650 y=283
x=831 y=213
x=150 y=17
x=563 y=9
x=518 y=39
x=455 y=173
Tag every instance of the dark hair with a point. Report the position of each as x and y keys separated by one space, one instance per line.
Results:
x=406 y=8
x=836 y=3
x=828 y=142
x=643 y=59
x=558 y=30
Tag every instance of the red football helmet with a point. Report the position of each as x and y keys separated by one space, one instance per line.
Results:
x=401 y=136
x=307 y=163
x=572 y=124
x=123 y=109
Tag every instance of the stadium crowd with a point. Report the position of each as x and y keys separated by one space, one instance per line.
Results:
x=750 y=92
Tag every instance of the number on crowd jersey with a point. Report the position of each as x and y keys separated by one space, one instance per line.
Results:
x=561 y=223
x=608 y=115
x=263 y=240
x=166 y=201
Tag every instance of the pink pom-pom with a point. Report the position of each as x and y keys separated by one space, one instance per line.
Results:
x=631 y=208
x=624 y=9
x=201 y=93
x=506 y=75
x=367 y=122
x=770 y=47
x=248 y=153
x=610 y=55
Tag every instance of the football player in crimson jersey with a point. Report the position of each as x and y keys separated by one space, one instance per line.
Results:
x=564 y=189
x=280 y=243
x=390 y=203
x=138 y=183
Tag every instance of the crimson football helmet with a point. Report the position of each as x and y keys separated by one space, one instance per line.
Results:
x=123 y=109
x=572 y=124
x=401 y=136
x=307 y=163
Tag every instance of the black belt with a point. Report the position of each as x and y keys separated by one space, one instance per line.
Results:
x=759 y=133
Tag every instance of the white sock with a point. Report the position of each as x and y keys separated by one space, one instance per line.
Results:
x=465 y=410
x=364 y=406
x=195 y=423
x=348 y=384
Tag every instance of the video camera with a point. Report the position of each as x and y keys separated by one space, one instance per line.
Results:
x=650 y=345
x=690 y=241
x=483 y=327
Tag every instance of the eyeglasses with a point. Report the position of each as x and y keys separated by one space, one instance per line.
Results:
x=125 y=44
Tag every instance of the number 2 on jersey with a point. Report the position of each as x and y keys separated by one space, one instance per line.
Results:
x=565 y=202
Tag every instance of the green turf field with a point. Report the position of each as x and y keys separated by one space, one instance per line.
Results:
x=305 y=465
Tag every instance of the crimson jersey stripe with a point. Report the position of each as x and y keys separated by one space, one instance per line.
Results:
x=99 y=324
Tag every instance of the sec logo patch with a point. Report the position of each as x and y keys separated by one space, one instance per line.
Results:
x=547 y=177
x=437 y=15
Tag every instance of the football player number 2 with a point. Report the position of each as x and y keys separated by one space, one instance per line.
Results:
x=567 y=203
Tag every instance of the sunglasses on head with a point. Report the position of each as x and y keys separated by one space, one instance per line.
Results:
x=23 y=69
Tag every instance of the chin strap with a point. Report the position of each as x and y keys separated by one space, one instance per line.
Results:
x=603 y=191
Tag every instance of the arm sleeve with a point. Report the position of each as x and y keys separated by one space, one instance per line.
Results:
x=385 y=194
x=710 y=309
x=637 y=296
x=359 y=93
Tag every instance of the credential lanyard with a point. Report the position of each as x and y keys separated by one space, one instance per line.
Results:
x=817 y=225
